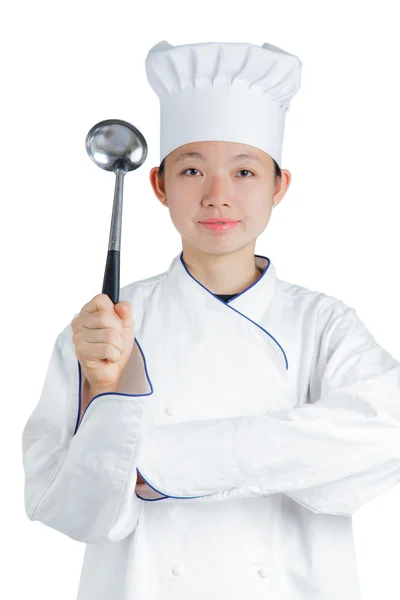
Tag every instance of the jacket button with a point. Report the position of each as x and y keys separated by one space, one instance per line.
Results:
x=263 y=572
x=177 y=570
x=171 y=410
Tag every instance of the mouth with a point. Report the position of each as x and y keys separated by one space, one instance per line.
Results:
x=217 y=222
x=219 y=225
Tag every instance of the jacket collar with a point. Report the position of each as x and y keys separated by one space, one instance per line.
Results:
x=251 y=302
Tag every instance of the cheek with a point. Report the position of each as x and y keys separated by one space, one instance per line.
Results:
x=255 y=206
x=183 y=216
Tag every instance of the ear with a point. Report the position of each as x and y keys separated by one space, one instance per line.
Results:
x=157 y=183
x=282 y=186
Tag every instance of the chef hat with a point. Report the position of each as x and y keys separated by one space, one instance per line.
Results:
x=233 y=92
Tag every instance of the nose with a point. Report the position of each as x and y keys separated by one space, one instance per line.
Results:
x=218 y=192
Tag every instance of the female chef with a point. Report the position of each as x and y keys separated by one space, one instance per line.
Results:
x=248 y=417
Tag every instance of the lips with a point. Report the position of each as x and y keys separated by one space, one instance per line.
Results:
x=211 y=221
x=220 y=226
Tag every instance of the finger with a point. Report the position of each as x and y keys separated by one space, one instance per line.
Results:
x=100 y=351
x=105 y=336
x=99 y=302
x=125 y=311
x=102 y=319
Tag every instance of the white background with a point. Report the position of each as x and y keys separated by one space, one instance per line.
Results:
x=66 y=66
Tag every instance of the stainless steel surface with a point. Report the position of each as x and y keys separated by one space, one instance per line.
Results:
x=116 y=145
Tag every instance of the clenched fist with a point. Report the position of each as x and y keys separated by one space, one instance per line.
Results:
x=103 y=336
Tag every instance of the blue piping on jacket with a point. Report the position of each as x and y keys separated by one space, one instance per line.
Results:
x=108 y=393
x=151 y=386
x=166 y=495
x=236 y=296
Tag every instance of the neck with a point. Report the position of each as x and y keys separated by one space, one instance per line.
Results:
x=223 y=273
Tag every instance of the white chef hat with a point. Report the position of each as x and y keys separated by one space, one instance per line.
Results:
x=223 y=91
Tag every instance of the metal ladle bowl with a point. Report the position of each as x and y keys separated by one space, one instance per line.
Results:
x=118 y=146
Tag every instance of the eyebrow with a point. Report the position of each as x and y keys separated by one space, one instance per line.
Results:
x=242 y=156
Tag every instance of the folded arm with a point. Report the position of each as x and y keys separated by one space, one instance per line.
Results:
x=332 y=454
x=81 y=481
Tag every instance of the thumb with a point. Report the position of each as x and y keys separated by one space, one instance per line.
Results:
x=124 y=310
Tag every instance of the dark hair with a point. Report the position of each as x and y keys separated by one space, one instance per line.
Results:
x=277 y=174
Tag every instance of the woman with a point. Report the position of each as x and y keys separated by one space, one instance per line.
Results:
x=225 y=180
x=253 y=416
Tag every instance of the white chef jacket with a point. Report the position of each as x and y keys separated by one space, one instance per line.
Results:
x=260 y=426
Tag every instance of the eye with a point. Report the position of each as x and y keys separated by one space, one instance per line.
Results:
x=245 y=171
x=190 y=169
x=242 y=171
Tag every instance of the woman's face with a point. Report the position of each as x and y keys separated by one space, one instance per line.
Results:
x=217 y=182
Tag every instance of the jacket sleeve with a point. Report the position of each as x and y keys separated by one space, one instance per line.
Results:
x=80 y=478
x=332 y=454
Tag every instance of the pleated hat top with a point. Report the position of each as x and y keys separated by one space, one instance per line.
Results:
x=223 y=91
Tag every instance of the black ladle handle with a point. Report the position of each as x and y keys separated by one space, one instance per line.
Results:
x=111 y=276
x=112 y=270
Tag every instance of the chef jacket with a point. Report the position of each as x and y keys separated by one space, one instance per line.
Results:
x=260 y=423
